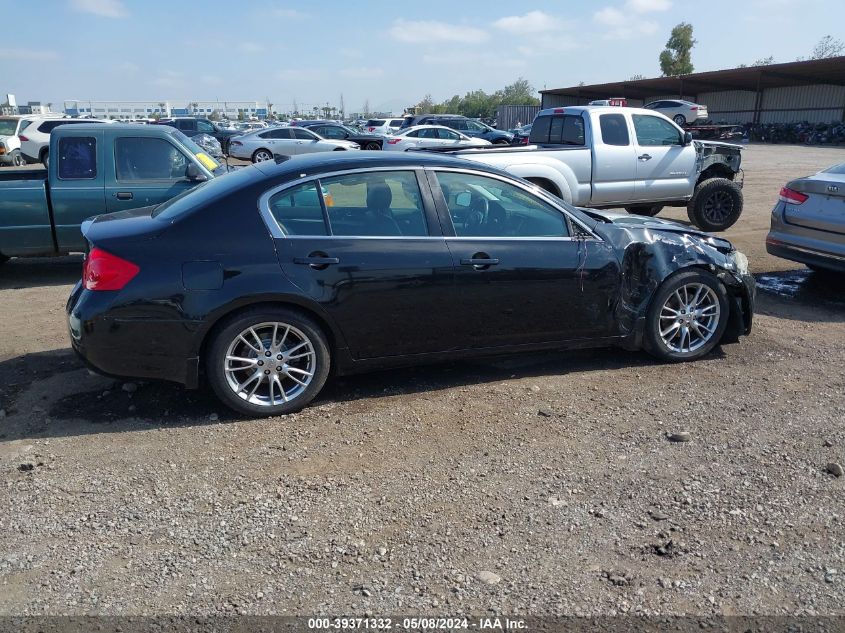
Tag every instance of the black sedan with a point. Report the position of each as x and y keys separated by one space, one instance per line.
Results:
x=338 y=132
x=264 y=280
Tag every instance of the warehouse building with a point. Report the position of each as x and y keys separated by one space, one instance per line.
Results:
x=811 y=91
x=147 y=109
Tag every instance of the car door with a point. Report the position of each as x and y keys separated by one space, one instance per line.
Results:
x=525 y=272
x=145 y=171
x=76 y=184
x=367 y=248
x=614 y=160
x=306 y=142
x=665 y=165
x=450 y=137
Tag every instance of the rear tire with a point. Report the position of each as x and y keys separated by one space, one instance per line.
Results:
x=262 y=155
x=259 y=354
x=674 y=332
x=372 y=146
x=680 y=119
x=649 y=210
x=716 y=204
x=45 y=158
x=501 y=141
x=17 y=158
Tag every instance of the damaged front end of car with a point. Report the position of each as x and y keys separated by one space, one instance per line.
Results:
x=653 y=250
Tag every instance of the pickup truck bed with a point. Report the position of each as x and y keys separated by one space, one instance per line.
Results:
x=24 y=212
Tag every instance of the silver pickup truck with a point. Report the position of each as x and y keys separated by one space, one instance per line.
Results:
x=605 y=157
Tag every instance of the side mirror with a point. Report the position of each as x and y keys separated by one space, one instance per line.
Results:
x=687 y=138
x=194 y=174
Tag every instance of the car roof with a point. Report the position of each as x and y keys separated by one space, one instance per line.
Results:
x=315 y=164
x=428 y=126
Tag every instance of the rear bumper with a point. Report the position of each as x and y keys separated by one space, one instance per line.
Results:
x=804 y=255
x=129 y=348
x=804 y=244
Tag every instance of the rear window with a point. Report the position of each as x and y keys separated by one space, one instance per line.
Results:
x=565 y=129
x=375 y=122
x=210 y=191
x=396 y=122
x=78 y=158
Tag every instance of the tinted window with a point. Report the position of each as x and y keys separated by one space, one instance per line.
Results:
x=487 y=207
x=280 y=133
x=375 y=122
x=540 y=129
x=455 y=124
x=298 y=210
x=428 y=132
x=396 y=122
x=49 y=126
x=474 y=126
x=148 y=159
x=303 y=135
x=652 y=130
x=329 y=131
x=205 y=126
x=77 y=158
x=448 y=135
x=375 y=204
x=614 y=131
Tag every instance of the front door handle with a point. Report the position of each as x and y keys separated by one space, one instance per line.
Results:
x=317 y=261
x=644 y=157
x=124 y=195
x=480 y=261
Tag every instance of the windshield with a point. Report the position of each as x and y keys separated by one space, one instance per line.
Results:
x=207 y=161
x=8 y=127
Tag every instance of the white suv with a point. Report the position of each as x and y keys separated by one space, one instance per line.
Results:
x=383 y=126
x=10 y=144
x=35 y=137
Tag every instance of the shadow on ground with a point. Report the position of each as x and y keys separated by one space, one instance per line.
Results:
x=802 y=295
x=108 y=408
x=30 y=272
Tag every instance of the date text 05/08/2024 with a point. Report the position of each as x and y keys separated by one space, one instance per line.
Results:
x=418 y=624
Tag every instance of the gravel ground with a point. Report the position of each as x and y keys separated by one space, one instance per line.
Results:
x=533 y=485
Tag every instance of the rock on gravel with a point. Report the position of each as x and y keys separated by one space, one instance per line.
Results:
x=488 y=577
x=835 y=469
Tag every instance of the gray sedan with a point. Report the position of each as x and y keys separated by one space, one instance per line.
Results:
x=808 y=221
x=261 y=145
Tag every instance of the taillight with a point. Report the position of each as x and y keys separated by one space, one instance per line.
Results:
x=693 y=108
x=559 y=110
x=393 y=141
x=22 y=137
x=791 y=196
x=524 y=141
x=371 y=129
x=104 y=271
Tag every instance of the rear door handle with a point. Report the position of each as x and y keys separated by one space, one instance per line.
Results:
x=644 y=157
x=317 y=262
x=124 y=195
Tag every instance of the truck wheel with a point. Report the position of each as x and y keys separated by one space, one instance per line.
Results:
x=645 y=209
x=680 y=119
x=17 y=158
x=715 y=205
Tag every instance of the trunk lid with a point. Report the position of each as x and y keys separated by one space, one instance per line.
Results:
x=129 y=225
x=824 y=208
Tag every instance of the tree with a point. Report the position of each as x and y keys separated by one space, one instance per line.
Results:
x=827 y=47
x=426 y=106
x=214 y=116
x=675 y=59
x=636 y=77
x=764 y=61
x=520 y=92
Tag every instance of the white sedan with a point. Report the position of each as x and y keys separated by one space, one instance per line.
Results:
x=681 y=112
x=262 y=145
x=426 y=136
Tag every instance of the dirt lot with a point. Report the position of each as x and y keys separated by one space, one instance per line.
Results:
x=539 y=485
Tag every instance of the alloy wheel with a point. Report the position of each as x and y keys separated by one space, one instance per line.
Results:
x=689 y=318
x=718 y=207
x=262 y=155
x=270 y=363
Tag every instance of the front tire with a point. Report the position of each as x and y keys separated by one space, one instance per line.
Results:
x=687 y=317
x=269 y=361
x=17 y=158
x=262 y=155
x=716 y=205
x=649 y=210
x=680 y=119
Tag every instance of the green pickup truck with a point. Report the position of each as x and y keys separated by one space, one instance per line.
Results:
x=99 y=169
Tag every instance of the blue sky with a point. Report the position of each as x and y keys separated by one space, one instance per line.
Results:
x=389 y=53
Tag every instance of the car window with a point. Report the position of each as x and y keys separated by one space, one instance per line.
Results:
x=475 y=126
x=652 y=130
x=428 y=132
x=488 y=207
x=77 y=158
x=284 y=132
x=329 y=131
x=205 y=126
x=567 y=130
x=836 y=169
x=412 y=134
x=302 y=134
x=148 y=159
x=614 y=131
x=455 y=124
x=386 y=203
x=298 y=210
x=268 y=134
x=448 y=135
x=396 y=122
x=375 y=122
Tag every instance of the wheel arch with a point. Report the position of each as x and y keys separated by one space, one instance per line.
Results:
x=715 y=171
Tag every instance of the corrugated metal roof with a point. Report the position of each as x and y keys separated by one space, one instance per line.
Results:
x=814 y=71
